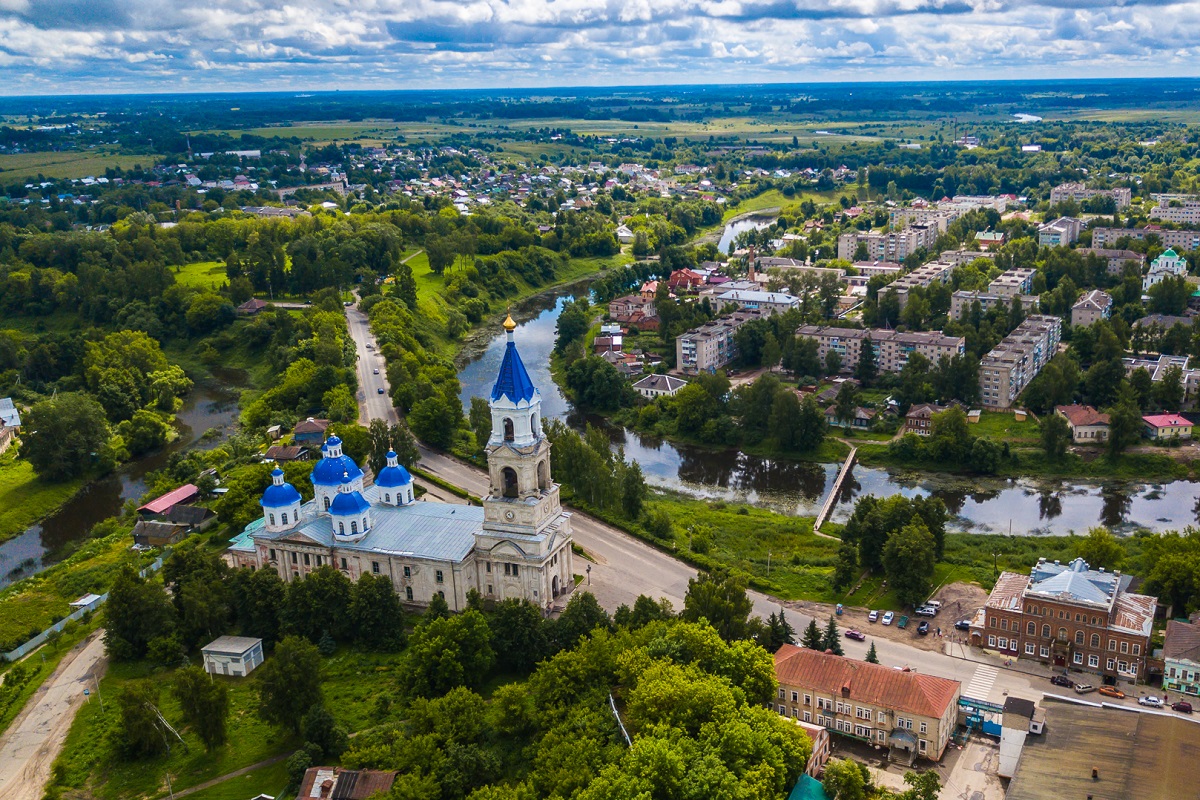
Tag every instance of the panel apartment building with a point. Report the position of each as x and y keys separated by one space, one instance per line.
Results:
x=891 y=348
x=891 y=246
x=1068 y=615
x=1178 y=240
x=711 y=346
x=1011 y=365
x=962 y=300
x=1185 y=212
x=1079 y=193
x=925 y=275
x=1018 y=280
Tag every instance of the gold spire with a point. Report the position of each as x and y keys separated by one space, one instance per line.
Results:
x=509 y=325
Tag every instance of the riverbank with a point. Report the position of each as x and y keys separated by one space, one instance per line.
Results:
x=25 y=498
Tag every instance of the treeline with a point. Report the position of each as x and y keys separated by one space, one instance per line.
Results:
x=905 y=538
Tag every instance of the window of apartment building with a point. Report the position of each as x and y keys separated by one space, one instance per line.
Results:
x=438 y=576
x=1062 y=634
x=1002 y=643
x=991 y=641
x=1003 y=624
x=793 y=713
x=1045 y=631
x=1044 y=651
x=1079 y=637
x=1031 y=628
x=408 y=572
x=879 y=736
x=1124 y=647
x=1112 y=663
x=808 y=716
x=781 y=694
x=808 y=699
x=1095 y=640
x=862 y=731
x=921 y=745
x=992 y=622
x=795 y=697
x=924 y=728
x=306 y=559
x=1122 y=666
x=1112 y=645
x=1029 y=648
x=1079 y=617
x=782 y=711
x=375 y=568
x=1079 y=658
x=1137 y=649
x=1093 y=661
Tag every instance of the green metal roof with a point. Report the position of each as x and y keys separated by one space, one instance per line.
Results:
x=808 y=788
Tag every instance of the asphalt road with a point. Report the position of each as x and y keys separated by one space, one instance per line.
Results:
x=372 y=404
x=30 y=745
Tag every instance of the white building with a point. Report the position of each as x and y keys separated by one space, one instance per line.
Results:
x=518 y=545
x=1167 y=265
x=232 y=655
x=653 y=386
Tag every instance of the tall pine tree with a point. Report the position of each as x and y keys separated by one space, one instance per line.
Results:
x=812 y=637
x=872 y=656
x=831 y=641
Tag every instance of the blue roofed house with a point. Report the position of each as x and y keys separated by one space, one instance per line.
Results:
x=518 y=545
x=10 y=422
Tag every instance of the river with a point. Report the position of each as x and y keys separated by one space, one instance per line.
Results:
x=980 y=505
x=754 y=223
x=30 y=551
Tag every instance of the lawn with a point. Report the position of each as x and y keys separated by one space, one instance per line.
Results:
x=269 y=780
x=80 y=164
x=202 y=274
x=1001 y=427
x=26 y=498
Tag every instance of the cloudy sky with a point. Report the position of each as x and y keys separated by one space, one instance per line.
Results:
x=95 y=46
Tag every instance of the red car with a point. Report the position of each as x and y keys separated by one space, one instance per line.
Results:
x=1183 y=706
x=858 y=636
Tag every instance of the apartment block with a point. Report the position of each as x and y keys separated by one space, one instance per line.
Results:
x=1116 y=258
x=1185 y=211
x=891 y=348
x=1092 y=307
x=1011 y=365
x=766 y=302
x=910 y=713
x=711 y=346
x=960 y=257
x=1180 y=240
x=925 y=275
x=1060 y=232
x=961 y=302
x=1018 y=280
x=891 y=246
x=869 y=269
x=941 y=217
x=1079 y=193
x=1157 y=366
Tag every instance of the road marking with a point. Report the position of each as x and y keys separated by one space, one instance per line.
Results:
x=981 y=683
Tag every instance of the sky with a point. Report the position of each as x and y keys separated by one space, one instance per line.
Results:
x=117 y=46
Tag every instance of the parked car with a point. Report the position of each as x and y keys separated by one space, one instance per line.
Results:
x=1112 y=691
x=923 y=629
x=926 y=611
x=379 y=390
x=873 y=616
x=1183 y=706
x=1150 y=700
x=888 y=617
x=963 y=625
x=936 y=605
x=857 y=636
x=1062 y=680
x=1084 y=688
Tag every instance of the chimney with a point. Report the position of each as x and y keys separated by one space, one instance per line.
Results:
x=327 y=788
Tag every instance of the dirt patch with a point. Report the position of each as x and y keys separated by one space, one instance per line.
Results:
x=959 y=601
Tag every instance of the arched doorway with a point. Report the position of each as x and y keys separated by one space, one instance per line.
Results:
x=509 y=434
x=554 y=586
x=510 y=481
x=543 y=472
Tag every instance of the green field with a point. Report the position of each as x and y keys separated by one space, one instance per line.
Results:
x=202 y=275
x=25 y=498
x=67 y=165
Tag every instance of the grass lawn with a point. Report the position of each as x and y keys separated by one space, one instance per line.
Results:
x=26 y=498
x=202 y=274
x=1002 y=427
x=269 y=780
x=75 y=164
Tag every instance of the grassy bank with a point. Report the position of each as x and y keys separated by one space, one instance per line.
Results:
x=35 y=669
x=26 y=498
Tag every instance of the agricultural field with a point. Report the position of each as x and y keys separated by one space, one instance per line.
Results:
x=67 y=165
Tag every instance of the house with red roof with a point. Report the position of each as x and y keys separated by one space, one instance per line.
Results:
x=910 y=713
x=1160 y=427
x=685 y=280
x=1088 y=426
x=188 y=493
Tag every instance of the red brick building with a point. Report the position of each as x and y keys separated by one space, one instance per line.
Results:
x=1070 y=616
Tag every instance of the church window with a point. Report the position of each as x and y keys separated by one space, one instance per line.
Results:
x=375 y=567
x=508 y=430
x=306 y=559
x=408 y=572
x=326 y=503
x=293 y=558
x=487 y=566
x=271 y=554
x=442 y=595
x=510 y=481
x=272 y=517
x=533 y=425
x=508 y=569
x=343 y=563
x=408 y=593
x=387 y=498
x=341 y=529
x=364 y=525
x=353 y=526
x=439 y=576
x=489 y=588
x=543 y=471
x=318 y=561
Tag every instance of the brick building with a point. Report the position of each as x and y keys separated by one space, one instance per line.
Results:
x=1070 y=616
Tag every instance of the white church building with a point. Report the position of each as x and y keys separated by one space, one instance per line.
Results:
x=1168 y=265
x=518 y=545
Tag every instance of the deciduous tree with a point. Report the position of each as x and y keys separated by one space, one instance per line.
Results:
x=289 y=683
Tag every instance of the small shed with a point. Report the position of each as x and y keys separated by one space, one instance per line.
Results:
x=232 y=655
x=155 y=533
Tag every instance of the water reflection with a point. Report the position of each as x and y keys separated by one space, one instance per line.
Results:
x=984 y=505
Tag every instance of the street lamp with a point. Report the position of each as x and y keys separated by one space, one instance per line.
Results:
x=589 y=574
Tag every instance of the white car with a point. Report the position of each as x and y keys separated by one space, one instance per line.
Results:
x=1150 y=700
x=873 y=616
x=888 y=617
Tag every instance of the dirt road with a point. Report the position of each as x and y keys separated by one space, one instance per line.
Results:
x=32 y=742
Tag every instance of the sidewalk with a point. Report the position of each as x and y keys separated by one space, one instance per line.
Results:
x=965 y=652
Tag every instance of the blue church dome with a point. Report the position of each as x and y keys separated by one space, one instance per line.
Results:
x=330 y=469
x=350 y=504
x=279 y=494
x=393 y=474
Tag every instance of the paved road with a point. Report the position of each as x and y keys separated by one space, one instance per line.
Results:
x=33 y=741
x=372 y=404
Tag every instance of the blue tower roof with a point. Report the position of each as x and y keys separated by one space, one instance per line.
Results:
x=391 y=477
x=513 y=381
x=279 y=495
x=329 y=471
x=349 y=504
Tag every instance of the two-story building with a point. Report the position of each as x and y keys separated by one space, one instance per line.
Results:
x=910 y=713
x=1088 y=426
x=1181 y=657
x=1071 y=616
